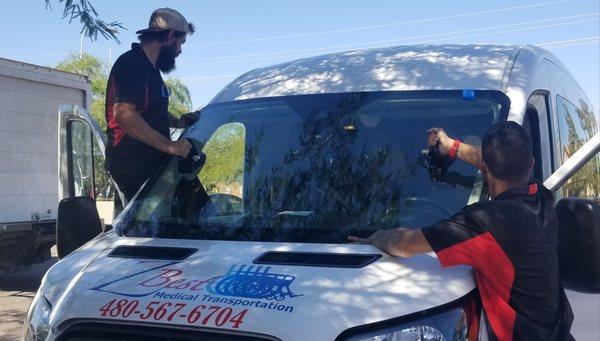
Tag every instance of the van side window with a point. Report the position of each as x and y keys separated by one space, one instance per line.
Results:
x=576 y=127
x=586 y=182
x=81 y=179
x=536 y=122
x=223 y=175
x=103 y=187
x=532 y=125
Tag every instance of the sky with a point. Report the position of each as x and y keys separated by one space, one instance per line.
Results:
x=233 y=37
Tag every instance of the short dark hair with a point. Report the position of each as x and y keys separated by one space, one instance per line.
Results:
x=507 y=151
x=161 y=36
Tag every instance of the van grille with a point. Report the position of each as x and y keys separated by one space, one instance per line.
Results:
x=100 y=331
x=336 y=260
x=152 y=252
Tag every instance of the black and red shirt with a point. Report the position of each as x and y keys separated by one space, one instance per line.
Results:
x=511 y=243
x=133 y=79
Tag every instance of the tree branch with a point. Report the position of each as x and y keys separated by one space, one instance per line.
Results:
x=88 y=16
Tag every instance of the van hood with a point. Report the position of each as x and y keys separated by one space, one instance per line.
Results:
x=219 y=287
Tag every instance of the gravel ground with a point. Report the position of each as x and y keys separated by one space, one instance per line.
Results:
x=16 y=292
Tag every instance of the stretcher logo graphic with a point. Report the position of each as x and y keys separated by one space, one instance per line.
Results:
x=259 y=283
x=240 y=281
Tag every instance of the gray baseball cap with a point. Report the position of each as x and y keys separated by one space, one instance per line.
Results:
x=164 y=19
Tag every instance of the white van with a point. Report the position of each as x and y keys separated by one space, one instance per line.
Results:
x=246 y=240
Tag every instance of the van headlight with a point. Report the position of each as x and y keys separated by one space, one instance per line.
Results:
x=449 y=325
x=37 y=325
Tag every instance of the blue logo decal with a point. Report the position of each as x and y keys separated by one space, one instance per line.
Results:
x=253 y=283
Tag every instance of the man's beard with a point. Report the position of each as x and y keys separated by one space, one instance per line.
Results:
x=166 y=58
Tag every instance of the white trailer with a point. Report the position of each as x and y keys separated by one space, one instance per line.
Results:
x=30 y=97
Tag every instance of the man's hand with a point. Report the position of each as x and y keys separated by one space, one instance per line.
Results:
x=385 y=240
x=435 y=135
x=400 y=242
x=468 y=153
x=180 y=147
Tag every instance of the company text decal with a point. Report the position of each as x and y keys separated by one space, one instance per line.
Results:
x=241 y=286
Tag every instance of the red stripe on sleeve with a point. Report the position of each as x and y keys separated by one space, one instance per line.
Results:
x=532 y=189
x=118 y=133
x=494 y=273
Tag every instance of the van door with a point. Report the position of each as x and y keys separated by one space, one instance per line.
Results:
x=81 y=159
x=579 y=218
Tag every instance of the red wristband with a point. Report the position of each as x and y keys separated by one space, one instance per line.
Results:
x=454 y=149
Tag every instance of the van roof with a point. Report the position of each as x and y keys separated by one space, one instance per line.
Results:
x=414 y=67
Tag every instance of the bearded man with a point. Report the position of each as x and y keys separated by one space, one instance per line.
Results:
x=137 y=102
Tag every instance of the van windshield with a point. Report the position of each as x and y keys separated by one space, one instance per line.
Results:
x=314 y=168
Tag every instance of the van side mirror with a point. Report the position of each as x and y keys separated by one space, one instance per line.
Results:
x=77 y=223
x=579 y=244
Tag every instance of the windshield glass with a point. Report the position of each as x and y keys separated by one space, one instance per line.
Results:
x=314 y=168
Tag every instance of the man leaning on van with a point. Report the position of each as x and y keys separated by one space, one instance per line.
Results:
x=137 y=101
x=510 y=241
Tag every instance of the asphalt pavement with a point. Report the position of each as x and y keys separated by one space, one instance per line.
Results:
x=17 y=291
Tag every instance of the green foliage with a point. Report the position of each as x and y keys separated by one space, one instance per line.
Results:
x=88 y=16
x=224 y=156
x=581 y=128
x=97 y=72
x=180 y=101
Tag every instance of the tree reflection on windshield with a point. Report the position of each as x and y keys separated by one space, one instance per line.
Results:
x=314 y=168
x=333 y=176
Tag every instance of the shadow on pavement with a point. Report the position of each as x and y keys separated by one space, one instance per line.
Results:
x=26 y=280
x=16 y=292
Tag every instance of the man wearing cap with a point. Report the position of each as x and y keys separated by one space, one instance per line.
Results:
x=510 y=241
x=137 y=101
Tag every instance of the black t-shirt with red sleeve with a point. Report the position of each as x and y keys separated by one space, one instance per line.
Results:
x=511 y=244
x=133 y=79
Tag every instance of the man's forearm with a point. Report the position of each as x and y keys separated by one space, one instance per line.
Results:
x=134 y=125
x=406 y=243
x=400 y=242
x=470 y=154
x=466 y=152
